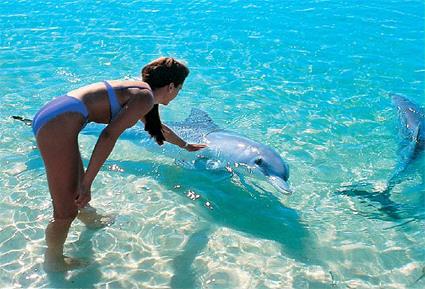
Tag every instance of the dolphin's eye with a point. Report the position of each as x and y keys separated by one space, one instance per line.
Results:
x=258 y=162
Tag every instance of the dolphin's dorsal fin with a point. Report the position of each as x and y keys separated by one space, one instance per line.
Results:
x=199 y=115
x=200 y=118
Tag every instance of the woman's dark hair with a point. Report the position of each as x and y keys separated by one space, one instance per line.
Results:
x=158 y=73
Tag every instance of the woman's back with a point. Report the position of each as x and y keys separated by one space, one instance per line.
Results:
x=98 y=99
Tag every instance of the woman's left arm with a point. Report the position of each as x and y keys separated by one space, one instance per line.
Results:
x=172 y=137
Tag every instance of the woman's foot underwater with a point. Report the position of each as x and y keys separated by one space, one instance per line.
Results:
x=61 y=263
x=93 y=220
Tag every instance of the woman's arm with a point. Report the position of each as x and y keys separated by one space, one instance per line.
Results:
x=128 y=116
x=173 y=138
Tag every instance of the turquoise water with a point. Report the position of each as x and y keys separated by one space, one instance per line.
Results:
x=309 y=78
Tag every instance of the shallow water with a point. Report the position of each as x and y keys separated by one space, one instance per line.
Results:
x=310 y=79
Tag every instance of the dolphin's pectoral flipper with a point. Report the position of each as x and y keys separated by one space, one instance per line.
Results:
x=250 y=188
x=200 y=162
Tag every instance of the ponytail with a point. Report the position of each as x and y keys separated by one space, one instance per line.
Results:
x=158 y=73
x=153 y=125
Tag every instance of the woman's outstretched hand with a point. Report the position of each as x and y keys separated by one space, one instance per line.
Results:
x=194 y=147
x=83 y=196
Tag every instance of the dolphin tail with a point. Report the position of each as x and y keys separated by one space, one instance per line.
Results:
x=23 y=119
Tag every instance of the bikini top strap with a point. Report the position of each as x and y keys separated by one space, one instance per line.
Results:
x=114 y=105
x=139 y=87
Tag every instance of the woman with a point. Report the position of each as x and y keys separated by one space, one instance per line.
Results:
x=119 y=104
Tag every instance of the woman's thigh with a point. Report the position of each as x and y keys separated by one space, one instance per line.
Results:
x=58 y=144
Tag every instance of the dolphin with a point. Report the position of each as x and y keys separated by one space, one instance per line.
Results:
x=412 y=118
x=226 y=149
x=412 y=132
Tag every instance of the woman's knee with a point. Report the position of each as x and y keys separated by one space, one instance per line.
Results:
x=65 y=215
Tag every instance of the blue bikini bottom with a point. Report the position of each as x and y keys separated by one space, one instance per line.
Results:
x=57 y=107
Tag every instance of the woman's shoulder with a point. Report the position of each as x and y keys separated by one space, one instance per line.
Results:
x=130 y=84
x=137 y=89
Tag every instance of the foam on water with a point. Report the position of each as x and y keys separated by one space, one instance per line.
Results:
x=310 y=79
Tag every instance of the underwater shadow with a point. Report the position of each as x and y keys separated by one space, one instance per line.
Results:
x=378 y=204
x=228 y=204
x=184 y=275
x=379 y=201
x=223 y=202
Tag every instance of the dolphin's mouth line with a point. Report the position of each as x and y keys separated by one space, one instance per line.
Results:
x=281 y=185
